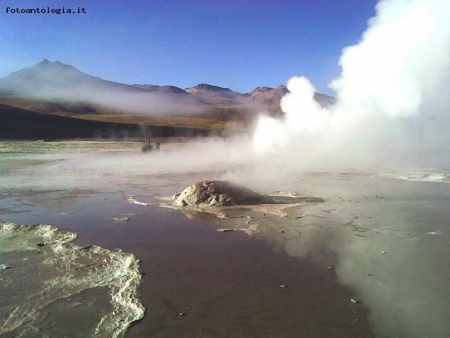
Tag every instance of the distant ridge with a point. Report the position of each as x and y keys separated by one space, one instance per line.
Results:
x=162 y=89
x=215 y=94
x=267 y=95
x=47 y=77
x=204 y=87
x=53 y=100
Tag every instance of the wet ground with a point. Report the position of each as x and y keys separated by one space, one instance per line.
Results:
x=379 y=242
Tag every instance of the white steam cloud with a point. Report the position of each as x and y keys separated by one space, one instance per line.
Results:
x=392 y=97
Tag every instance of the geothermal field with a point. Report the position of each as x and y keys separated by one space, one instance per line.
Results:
x=281 y=212
x=108 y=253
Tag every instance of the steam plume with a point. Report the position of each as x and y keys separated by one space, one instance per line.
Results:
x=390 y=108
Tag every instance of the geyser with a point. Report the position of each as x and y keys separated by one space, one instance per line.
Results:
x=390 y=110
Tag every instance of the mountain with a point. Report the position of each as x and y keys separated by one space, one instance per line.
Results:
x=69 y=91
x=267 y=96
x=324 y=99
x=161 y=89
x=204 y=88
x=53 y=96
x=215 y=95
x=47 y=77
x=61 y=83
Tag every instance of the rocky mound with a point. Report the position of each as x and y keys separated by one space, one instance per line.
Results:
x=218 y=194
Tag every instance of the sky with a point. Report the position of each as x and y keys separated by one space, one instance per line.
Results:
x=238 y=45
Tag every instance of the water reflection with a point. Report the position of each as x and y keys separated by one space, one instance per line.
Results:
x=385 y=239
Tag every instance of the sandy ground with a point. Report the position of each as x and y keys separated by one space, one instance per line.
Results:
x=379 y=242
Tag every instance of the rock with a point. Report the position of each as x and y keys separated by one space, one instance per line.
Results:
x=218 y=194
x=121 y=219
x=435 y=233
x=355 y=301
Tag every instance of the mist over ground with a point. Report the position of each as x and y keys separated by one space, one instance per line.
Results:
x=391 y=109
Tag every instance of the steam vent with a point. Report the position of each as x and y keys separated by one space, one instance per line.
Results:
x=218 y=194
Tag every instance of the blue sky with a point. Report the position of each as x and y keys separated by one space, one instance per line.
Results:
x=234 y=44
